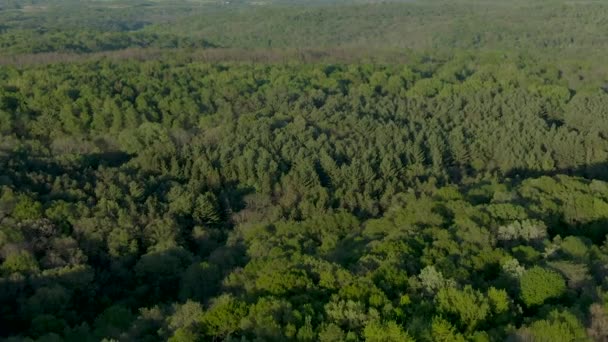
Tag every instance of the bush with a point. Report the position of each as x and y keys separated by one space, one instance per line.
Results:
x=539 y=284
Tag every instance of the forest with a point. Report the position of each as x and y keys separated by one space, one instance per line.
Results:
x=303 y=171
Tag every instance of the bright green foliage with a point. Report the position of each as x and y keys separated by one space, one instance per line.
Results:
x=331 y=333
x=443 y=331
x=224 y=316
x=385 y=332
x=499 y=300
x=27 y=209
x=574 y=247
x=468 y=305
x=19 y=261
x=185 y=315
x=184 y=335
x=559 y=326
x=348 y=314
x=539 y=284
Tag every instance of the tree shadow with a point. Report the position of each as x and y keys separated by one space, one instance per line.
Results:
x=348 y=250
x=592 y=171
x=72 y=282
x=17 y=166
x=116 y=279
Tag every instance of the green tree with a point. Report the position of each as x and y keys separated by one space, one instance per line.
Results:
x=539 y=284
x=385 y=332
x=224 y=316
x=470 y=306
x=443 y=331
x=559 y=326
x=20 y=261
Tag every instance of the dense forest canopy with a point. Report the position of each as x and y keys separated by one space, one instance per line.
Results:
x=542 y=27
x=303 y=171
